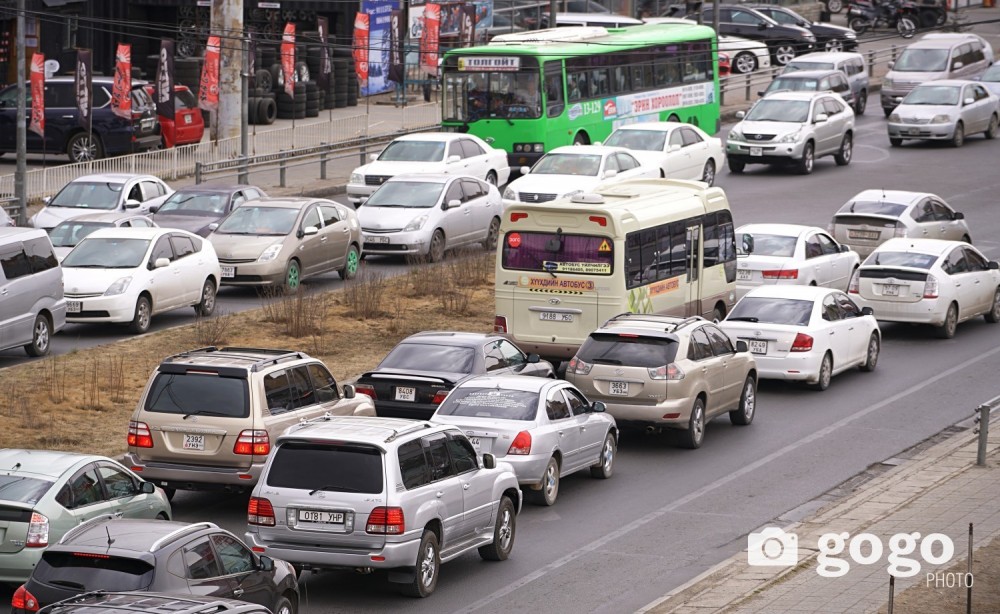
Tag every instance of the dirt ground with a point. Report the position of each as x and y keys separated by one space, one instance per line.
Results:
x=82 y=401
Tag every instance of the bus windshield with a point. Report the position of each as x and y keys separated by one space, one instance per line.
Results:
x=555 y=252
x=469 y=96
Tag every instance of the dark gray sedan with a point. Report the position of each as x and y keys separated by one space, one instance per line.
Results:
x=195 y=207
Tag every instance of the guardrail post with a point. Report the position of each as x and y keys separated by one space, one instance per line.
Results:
x=281 y=172
x=197 y=172
x=243 y=178
x=322 y=165
x=363 y=153
x=983 y=430
x=748 y=88
x=893 y=52
x=871 y=62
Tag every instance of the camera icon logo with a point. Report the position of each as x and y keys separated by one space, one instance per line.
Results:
x=772 y=547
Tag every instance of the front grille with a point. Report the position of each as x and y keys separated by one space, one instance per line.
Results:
x=384 y=247
x=380 y=231
x=236 y=260
x=916 y=120
x=758 y=137
x=534 y=197
x=89 y=314
x=376 y=179
x=243 y=279
x=69 y=295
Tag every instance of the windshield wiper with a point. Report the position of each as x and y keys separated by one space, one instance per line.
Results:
x=334 y=487
x=743 y=319
x=204 y=412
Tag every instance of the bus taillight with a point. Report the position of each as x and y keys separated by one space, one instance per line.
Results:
x=500 y=324
x=599 y=220
x=518 y=215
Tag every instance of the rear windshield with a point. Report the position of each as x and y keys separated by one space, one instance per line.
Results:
x=205 y=394
x=555 y=252
x=793 y=84
x=22 y=488
x=644 y=140
x=873 y=207
x=329 y=467
x=771 y=245
x=430 y=357
x=72 y=232
x=614 y=349
x=86 y=572
x=795 y=65
x=897 y=259
x=772 y=311
x=491 y=403
x=922 y=60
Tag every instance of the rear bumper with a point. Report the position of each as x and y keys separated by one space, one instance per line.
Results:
x=924 y=311
x=16 y=567
x=648 y=415
x=798 y=366
x=391 y=555
x=194 y=477
x=413 y=411
x=529 y=469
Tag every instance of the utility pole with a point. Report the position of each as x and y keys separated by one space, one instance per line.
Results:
x=553 y=9
x=244 y=103
x=21 y=170
x=227 y=22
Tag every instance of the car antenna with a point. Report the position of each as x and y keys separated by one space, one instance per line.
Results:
x=16 y=466
x=110 y=540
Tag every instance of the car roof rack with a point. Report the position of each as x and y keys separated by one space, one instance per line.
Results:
x=670 y=327
x=274 y=355
x=363 y=421
x=83 y=525
x=686 y=322
x=173 y=535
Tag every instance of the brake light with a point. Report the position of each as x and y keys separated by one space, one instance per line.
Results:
x=23 y=600
x=439 y=397
x=500 y=324
x=366 y=389
x=91 y=555
x=852 y=287
x=782 y=274
x=669 y=372
x=931 y=287
x=260 y=512
x=578 y=367
x=900 y=230
x=802 y=343
x=139 y=435
x=521 y=445
x=518 y=215
x=386 y=521
x=38 y=531
x=252 y=442
x=600 y=220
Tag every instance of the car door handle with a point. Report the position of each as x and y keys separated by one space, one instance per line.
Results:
x=832 y=332
x=465 y=486
x=322 y=239
x=67 y=117
x=976 y=282
x=237 y=592
x=560 y=433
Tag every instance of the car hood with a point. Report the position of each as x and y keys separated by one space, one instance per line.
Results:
x=92 y=281
x=925 y=111
x=242 y=247
x=190 y=223
x=776 y=128
x=825 y=29
x=553 y=184
x=389 y=218
x=399 y=168
x=61 y=252
x=49 y=217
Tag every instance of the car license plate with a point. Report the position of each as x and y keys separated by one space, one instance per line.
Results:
x=405 y=393
x=743 y=274
x=194 y=442
x=890 y=290
x=229 y=271
x=552 y=316
x=476 y=442
x=757 y=346
x=378 y=239
x=756 y=151
x=188 y=119
x=319 y=517
x=619 y=389
x=74 y=306
x=871 y=235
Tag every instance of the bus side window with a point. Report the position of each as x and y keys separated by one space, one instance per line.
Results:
x=554 y=89
x=710 y=244
x=633 y=260
x=727 y=244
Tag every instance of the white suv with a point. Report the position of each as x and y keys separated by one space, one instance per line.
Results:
x=792 y=128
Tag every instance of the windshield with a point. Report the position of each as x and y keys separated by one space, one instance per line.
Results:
x=470 y=96
x=568 y=164
x=326 y=467
x=992 y=74
x=248 y=220
x=644 y=140
x=922 y=60
x=793 y=84
x=628 y=351
x=934 y=95
x=770 y=245
x=555 y=252
x=88 y=195
x=107 y=253
x=491 y=403
x=211 y=204
x=192 y=393
x=413 y=151
x=767 y=310
x=22 y=489
x=873 y=207
x=69 y=233
x=430 y=357
x=796 y=65
x=906 y=259
x=416 y=194
x=770 y=110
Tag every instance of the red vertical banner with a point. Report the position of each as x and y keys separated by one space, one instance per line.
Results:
x=429 y=38
x=208 y=89
x=121 y=92
x=467 y=25
x=288 y=58
x=37 y=124
x=362 y=27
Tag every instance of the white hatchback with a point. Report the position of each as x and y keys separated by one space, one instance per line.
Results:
x=127 y=275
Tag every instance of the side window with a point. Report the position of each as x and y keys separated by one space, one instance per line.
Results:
x=182 y=245
x=454 y=192
x=251 y=194
x=690 y=137
x=329 y=214
x=553 y=89
x=827 y=244
x=311 y=218
x=956 y=262
x=323 y=383
x=511 y=354
x=493 y=358
x=463 y=456
x=577 y=404
x=848 y=308
x=238 y=199
x=676 y=138
x=699 y=347
x=135 y=193
x=39 y=254
x=82 y=490
x=974 y=261
x=234 y=556
x=710 y=241
x=555 y=406
x=137 y=222
x=626 y=162
x=437 y=451
x=455 y=149
x=162 y=249
x=471 y=148
x=472 y=189
x=413 y=465
x=151 y=189
x=301 y=390
x=942 y=212
x=721 y=345
x=117 y=483
x=923 y=212
x=199 y=561
x=612 y=164
x=278 y=392
x=831 y=312
x=813 y=248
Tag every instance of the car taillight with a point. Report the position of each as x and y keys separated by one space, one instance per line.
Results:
x=578 y=367
x=668 y=372
x=782 y=274
x=38 y=531
x=261 y=512
x=139 y=435
x=252 y=442
x=500 y=324
x=23 y=600
x=900 y=230
x=365 y=389
x=802 y=343
x=439 y=396
x=855 y=283
x=521 y=444
x=386 y=521
x=931 y=287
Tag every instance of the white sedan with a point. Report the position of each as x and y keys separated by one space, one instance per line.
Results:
x=745 y=55
x=928 y=281
x=682 y=151
x=128 y=275
x=573 y=169
x=789 y=254
x=804 y=333
x=424 y=215
x=449 y=153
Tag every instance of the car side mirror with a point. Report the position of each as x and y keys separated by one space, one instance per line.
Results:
x=533 y=358
x=845 y=248
x=147 y=488
x=598 y=407
x=453 y=159
x=451 y=204
x=820 y=118
x=867 y=311
x=957 y=65
x=489 y=461
x=969 y=101
x=525 y=170
x=608 y=174
x=761 y=93
x=47 y=200
x=762 y=26
x=349 y=391
x=958 y=216
x=132 y=203
x=154 y=208
x=741 y=114
x=213 y=226
x=741 y=346
x=159 y=263
x=891 y=64
x=310 y=230
x=266 y=563
x=373 y=157
x=747 y=241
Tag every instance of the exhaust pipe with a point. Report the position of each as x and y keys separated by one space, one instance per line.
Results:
x=652 y=429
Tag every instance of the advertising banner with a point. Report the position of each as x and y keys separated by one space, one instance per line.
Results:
x=37 y=124
x=361 y=30
x=82 y=85
x=121 y=91
x=165 y=80
x=467 y=25
x=208 y=87
x=379 y=45
x=325 y=68
x=397 y=34
x=450 y=23
x=430 y=38
x=288 y=58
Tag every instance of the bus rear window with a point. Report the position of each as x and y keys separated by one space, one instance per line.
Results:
x=556 y=252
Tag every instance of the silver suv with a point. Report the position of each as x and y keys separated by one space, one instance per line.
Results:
x=382 y=493
x=792 y=128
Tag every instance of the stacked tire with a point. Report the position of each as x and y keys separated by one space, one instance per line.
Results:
x=292 y=107
x=187 y=71
x=262 y=108
x=340 y=79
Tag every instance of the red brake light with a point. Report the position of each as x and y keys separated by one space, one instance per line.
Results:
x=500 y=324
x=783 y=274
x=261 y=512
x=139 y=435
x=931 y=287
x=802 y=343
x=91 y=555
x=23 y=600
x=600 y=220
x=38 y=531
x=521 y=444
x=854 y=285
x=518 y=215
x=439 y=397
x=252 y=442
x=366 y=389
x=386 y=520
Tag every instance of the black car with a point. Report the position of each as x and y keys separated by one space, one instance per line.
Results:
x=413 y=379
x=116 y=554
x=112 y=135
x=828 y=36
x=101 y=602
x=196 y=207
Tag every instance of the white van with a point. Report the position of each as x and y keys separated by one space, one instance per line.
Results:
x=930 y=59
x=32 y=307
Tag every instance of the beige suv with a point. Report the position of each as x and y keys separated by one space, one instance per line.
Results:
x=208 y=417
x=666 y=372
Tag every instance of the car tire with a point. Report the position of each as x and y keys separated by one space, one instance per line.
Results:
x=435 y=251
x=744 y=63
x=991 y=130
x=490 y=244
x=825 y=373
x=784 y=53
x=41 y=337
x=834 y=6
x=834 y=45
x=169 y=492
x=207 y=304
x=894 y=142
x=861 y=102
x=871 y=353
x=886 y=111
x=143 y=316
x=293 y=277
x=695 y=432
x=743 y=415
x=581 y=139
x=549 y=491
x=503 y=533
x=708 y=173
x=491 y=178
x=605 y=466
x=843 y=157
x=427 y=567
x=283 y=606
x=735 y=166
x=808 y=160
x=351 y=263
x=993 y=315
x=81 y=143
x=947 y=329
x=958 y=138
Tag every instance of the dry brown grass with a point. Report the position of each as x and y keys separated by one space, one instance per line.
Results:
x=82 y=401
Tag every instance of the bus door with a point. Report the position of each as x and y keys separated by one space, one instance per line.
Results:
x=692 y=279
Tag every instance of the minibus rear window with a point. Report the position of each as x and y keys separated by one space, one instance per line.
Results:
x=556 y=252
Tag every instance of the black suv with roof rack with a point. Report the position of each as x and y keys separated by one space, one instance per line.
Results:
x=136 y=602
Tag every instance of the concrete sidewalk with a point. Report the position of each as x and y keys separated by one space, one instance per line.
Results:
x=939 y=490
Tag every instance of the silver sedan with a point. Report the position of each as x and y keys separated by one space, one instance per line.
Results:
x=546 y=429
x=945 y=110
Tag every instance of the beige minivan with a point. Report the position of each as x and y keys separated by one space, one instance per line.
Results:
x=958 y=57
x=32 y=307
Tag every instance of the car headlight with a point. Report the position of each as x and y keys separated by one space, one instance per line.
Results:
x=790 y=137
x=894 y=118
x=510 y=194
x=357 y=178
x=850 y=34
x=941 y=119
x=270 y=253
x=416 y=223
x=120 y=286
x=735 y=135
x=887 y=84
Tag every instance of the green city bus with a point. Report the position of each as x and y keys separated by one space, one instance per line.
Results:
x=530 y=92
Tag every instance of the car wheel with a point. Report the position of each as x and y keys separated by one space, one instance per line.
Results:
x=743 y=415
x=490 y=244
x=581 y=139
x=871 y=356
x=895 y=142
x=991 y=131
x=834 y=45
x=491 y=178
x=825 y=373
x=708 y=173
x=143 y=314
x=861 y=103
x=744 y=62
x=718 y=313
x=41 y=335
x=735 y=166
x=958 y=139
x=283 y=606
x=784 y=53
x=695 y=432
x=292 y=276
x=83 y=147
x=350 y=264
x=886 y=111
x=906 y=27
x=605 y=466
x=503 y=533
x=207 y=304
x=549 y=492
x=947 y=330
x=843 y=157
x=428 y=565
x=808 y=159
x=435 y=253
x=993 y=315
x=834 y=6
